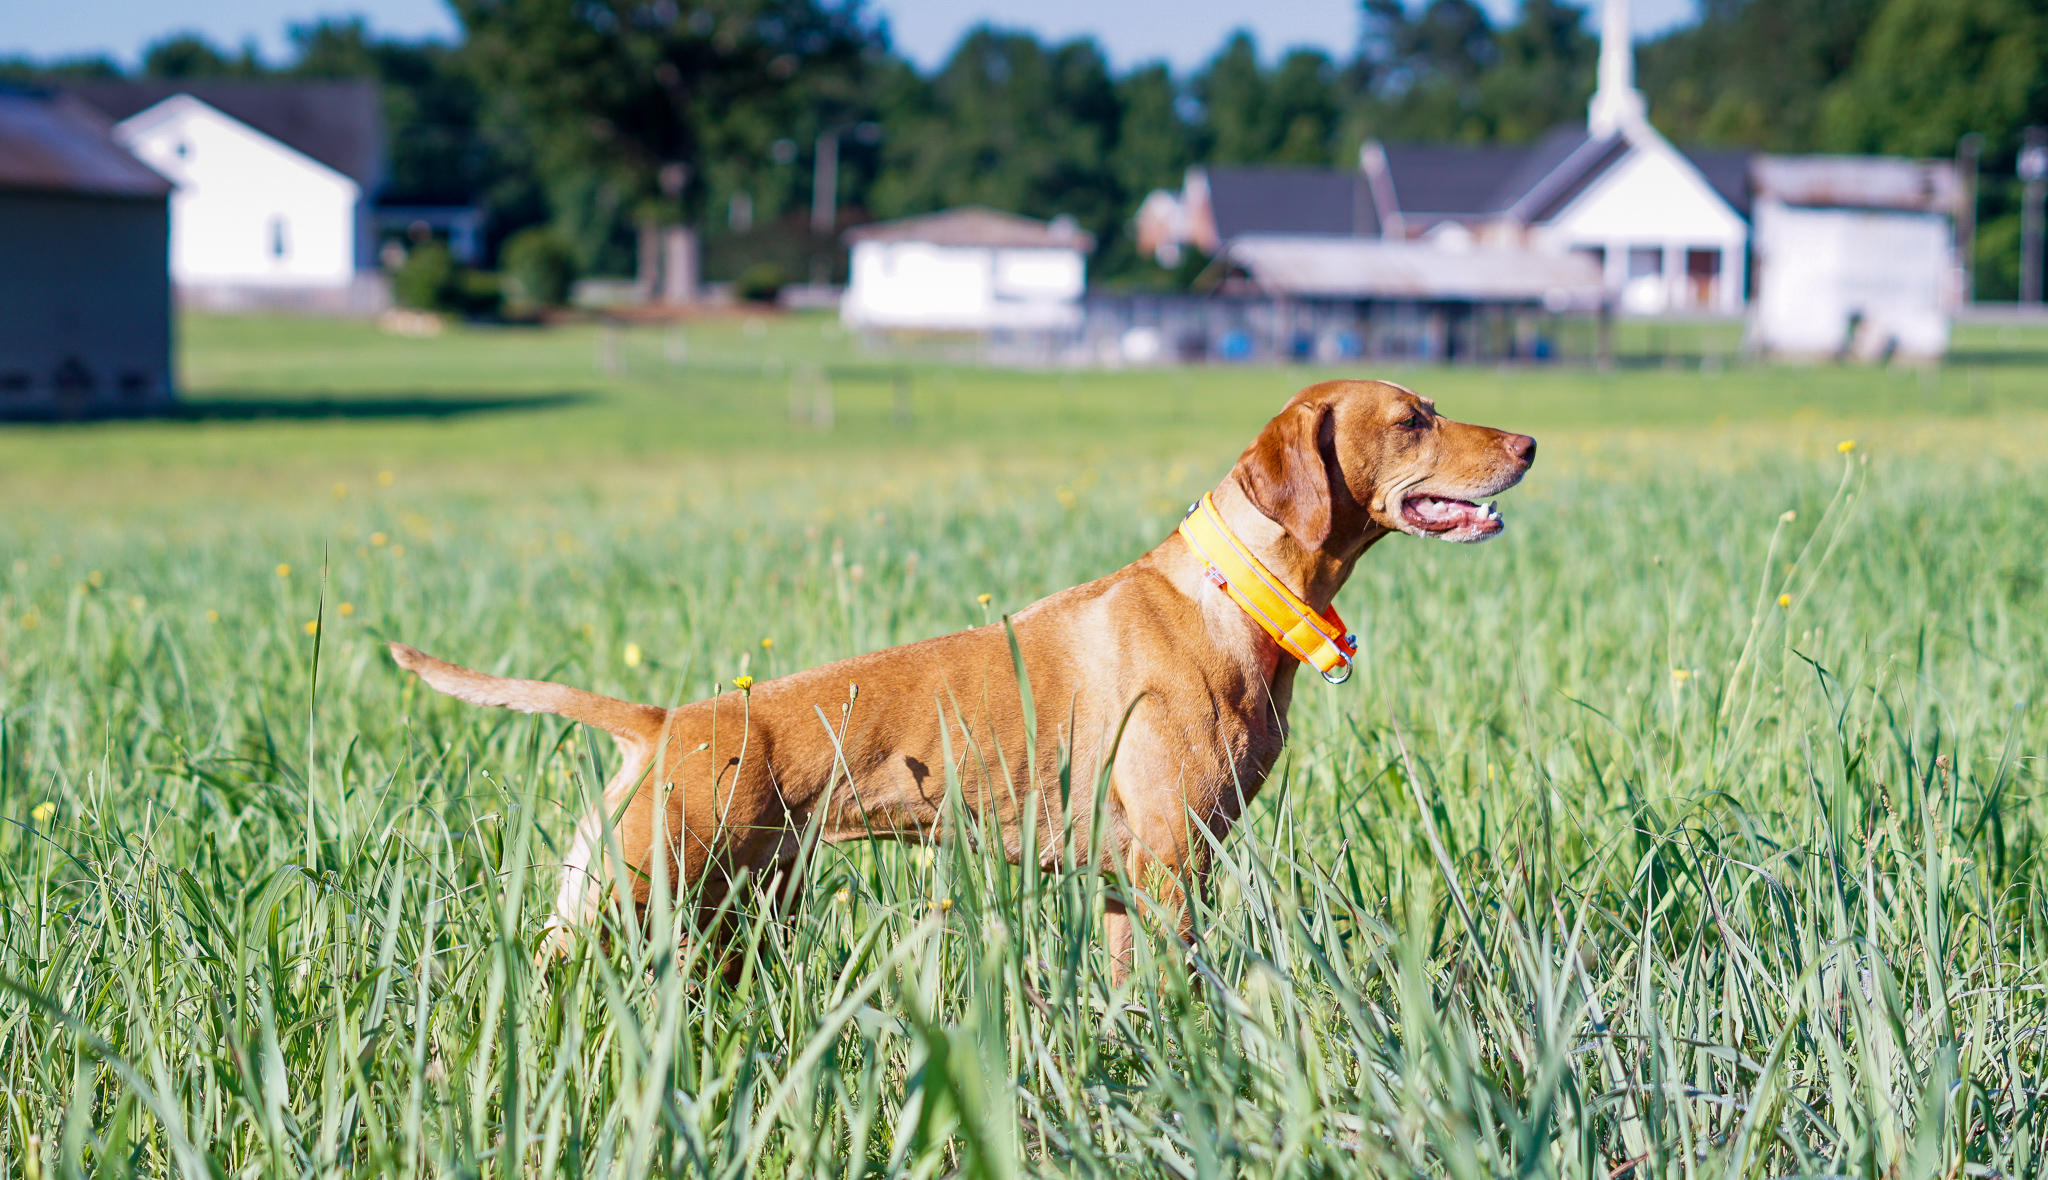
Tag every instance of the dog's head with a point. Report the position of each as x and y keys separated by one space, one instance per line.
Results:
x=1347 y=461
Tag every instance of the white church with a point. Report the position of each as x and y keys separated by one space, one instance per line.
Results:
x=1663 y=230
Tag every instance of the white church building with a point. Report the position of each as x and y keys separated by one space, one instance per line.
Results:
x=1665 y=229
x=1825 y=255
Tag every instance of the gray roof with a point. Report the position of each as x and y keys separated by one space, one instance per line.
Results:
x=1290 y=201
x=1430 y=178
x=339 y=123
x=1858 y=182
x=974 y=225
x=1370 y=268
x=1432 y=183
x=51 y=143
x=1727 y=169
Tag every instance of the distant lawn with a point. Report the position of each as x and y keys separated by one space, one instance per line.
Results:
x=280 y=398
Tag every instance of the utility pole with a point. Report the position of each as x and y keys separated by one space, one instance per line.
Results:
x=825 y=185
x=2033 y=170
x=1968 y=150
x=825 y=178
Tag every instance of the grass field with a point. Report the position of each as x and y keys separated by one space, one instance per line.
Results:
x=1693 y=828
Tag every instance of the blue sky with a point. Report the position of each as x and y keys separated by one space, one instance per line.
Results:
x=1183 y=32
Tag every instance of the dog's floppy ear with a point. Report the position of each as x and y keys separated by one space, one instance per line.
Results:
x=1285 y=475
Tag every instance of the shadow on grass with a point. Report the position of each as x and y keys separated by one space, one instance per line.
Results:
x=2002 y=357
x=237 y=408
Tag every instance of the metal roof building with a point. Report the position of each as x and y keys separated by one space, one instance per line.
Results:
x=85 y=290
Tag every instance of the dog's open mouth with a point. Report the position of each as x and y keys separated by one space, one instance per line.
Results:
x=1452 y=520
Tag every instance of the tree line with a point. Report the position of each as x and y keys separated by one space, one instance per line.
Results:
x=593 y=117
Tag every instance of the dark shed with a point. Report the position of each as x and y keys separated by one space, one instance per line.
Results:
x=85 y=287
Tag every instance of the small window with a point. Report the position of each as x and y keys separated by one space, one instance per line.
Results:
x=278 y=246
x=1703 y=276
x=1597 y=255
x=1645 y=261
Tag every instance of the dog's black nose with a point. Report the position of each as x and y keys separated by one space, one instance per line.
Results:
x=1522 y=447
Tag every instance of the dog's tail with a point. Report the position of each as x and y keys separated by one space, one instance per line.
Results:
x=637 y=727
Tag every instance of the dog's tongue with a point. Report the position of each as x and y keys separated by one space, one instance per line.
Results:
x=1435 y=513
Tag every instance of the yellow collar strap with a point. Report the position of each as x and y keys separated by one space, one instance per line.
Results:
x=1314 y=639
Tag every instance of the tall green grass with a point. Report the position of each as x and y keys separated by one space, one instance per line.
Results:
x=1606 y=863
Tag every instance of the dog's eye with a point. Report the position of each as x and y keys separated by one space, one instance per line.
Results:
x=1416 y=422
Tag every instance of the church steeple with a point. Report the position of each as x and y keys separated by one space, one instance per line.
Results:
x=1617 y=105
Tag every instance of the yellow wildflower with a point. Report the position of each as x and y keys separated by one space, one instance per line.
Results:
x=1784 y=600
x=97 y=578
x=346 y=609
x=312 y=626
x=1846 y=445
x=43 y=811
x=632 y=655
x=743 y=683
x=843 y=896
x=982 y=599
x=378 y=538
x=283 y=570
x=213 y=616
x=767 y=644
x=1680 y=675
x=385 y=479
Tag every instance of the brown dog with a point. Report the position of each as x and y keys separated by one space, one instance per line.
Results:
x=1344 y=464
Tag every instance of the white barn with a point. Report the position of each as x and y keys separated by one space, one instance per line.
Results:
x=1855 y=255
x=967 y=270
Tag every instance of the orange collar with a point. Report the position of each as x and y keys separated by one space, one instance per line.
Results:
x=1320 y=640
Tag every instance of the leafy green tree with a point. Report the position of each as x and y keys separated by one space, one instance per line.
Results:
x=622 y=104
x=1931 y=71
x=1011 y=124
x=23 y=70
x=1752 y=73
x=1154 y=144
x=1446 y=73
x=1304 y=107
x=1543 y=72
x=1233 y=92
x=189 y=55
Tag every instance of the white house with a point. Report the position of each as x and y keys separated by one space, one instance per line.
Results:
x=967 y=270
x=274 y=185
x=1855 y=255
x=247 y=211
